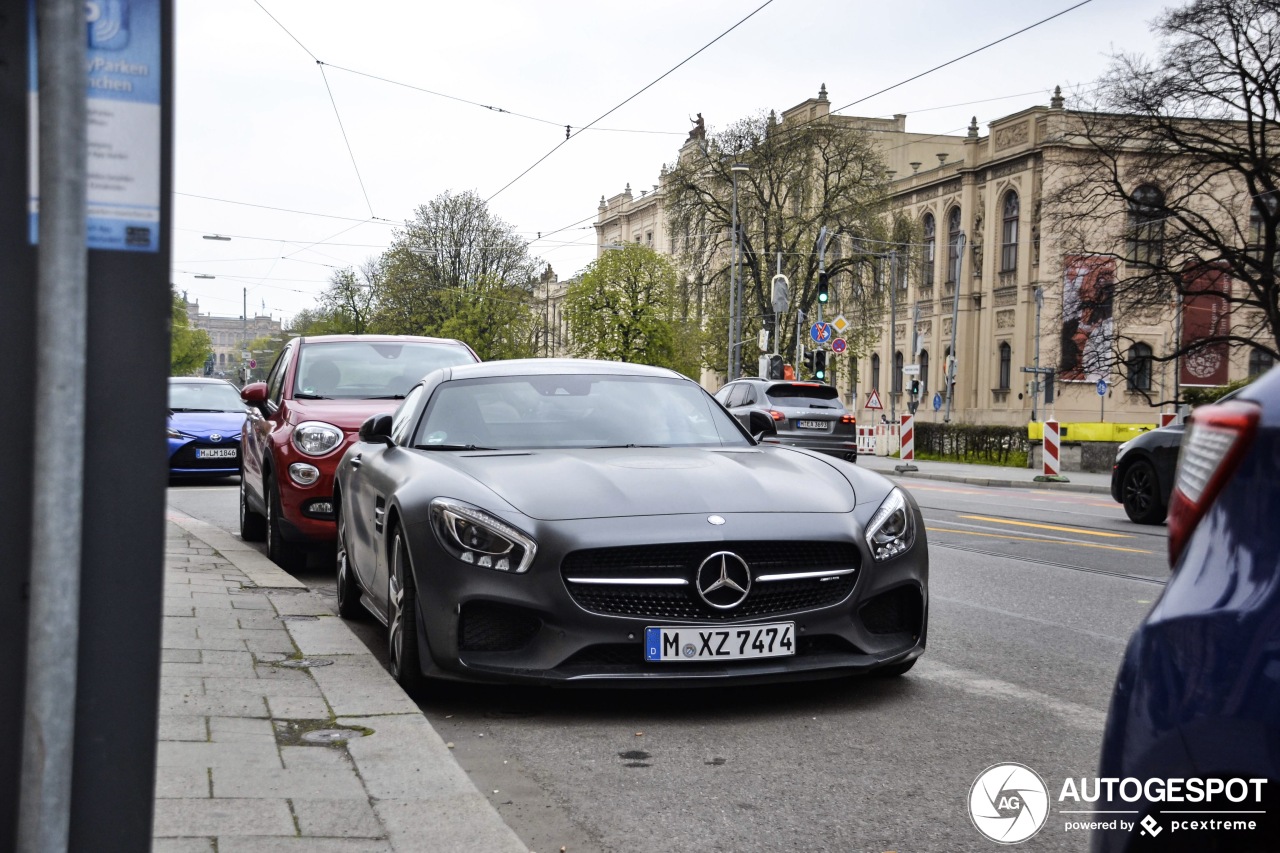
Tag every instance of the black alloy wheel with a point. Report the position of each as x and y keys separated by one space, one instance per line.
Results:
x=285 y=554
x=1140 y=493
x=253 y=526
x=348 y=588
x=402 y=620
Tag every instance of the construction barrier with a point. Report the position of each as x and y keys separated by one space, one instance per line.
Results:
x=867 y=440
x=1167 y=418
x=1092 y=431
x=908 y=453
x=1052 y=450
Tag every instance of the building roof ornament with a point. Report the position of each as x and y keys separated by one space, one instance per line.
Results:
x=1057 y=100
x=973 y=128
x=822 y=92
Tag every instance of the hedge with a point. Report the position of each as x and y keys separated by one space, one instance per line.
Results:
x=971 y=442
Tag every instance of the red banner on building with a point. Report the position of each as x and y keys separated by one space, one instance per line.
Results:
x=1088 y=290
x=1206 y=314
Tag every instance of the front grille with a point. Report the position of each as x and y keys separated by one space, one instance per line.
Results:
x=897 y=611
x=485 y=626
x=630 y=656
x=185 y=456
x=682 y=561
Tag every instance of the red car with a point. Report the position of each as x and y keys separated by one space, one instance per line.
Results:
x=304 y=417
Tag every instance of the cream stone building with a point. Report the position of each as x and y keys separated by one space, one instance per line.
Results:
x=230 y=336
x=988 y=185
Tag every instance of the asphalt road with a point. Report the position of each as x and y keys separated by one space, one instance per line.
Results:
x=1033 y=595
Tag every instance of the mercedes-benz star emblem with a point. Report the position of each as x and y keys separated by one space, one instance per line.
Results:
x=723 y=580
x=715 y=519
x=215 y=436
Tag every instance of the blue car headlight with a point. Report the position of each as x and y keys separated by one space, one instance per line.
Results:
x=473 y=536
x=173 y=433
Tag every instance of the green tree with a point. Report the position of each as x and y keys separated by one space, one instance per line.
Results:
x=321 y=320
x=351 y=298
x=188 y=347
x=496 y=319
x=624 y=308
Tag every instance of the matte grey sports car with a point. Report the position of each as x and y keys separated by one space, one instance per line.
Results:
x=587 y=522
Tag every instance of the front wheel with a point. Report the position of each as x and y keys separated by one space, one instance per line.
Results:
x=348 y=590
x=1140 y=492
x=402 y=619
x=287 y=555
x=253 y=526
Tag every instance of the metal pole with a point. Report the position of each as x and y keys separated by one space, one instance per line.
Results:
x=955 y=322
x=732 y=372
x=894 y=377
x=244 y=336
x=44 y=809
x=1177 y=343
x=1035 y=394
x=799 y=341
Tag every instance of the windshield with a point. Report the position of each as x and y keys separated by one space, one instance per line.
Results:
x=365 y=370
x=805 y=396
x=204 y=397
x=524 y=412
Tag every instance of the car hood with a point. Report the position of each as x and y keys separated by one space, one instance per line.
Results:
x=203 y=423
x=554 y=485
x=346 y=415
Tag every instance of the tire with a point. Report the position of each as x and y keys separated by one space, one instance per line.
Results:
x=402 y=620
x=896 y=670
x=285 y=554
x=348 y=588
x=253 y=525
x=1140 y=494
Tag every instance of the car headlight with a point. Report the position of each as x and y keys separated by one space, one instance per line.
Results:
x=892 y=529
x=315 y=438
x=475 y=537
x=173 y=433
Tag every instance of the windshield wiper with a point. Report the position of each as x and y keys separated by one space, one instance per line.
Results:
x=451 y=447
x=623 y=446
x=387 y=397
x=302 y=395
x=198 y=410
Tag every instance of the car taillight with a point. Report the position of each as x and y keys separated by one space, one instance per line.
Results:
x=848 y=419
x=1216 y=440
x=776 y=415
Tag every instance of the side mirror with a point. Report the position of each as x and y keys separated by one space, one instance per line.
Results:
x=255 y=393
x=376 y=430
x=761 y=426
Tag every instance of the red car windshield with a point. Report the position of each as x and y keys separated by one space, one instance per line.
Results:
x=367 y=370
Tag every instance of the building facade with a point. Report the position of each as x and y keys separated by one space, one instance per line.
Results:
x=230 y=338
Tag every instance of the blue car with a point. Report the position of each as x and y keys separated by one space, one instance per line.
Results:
x=205 y=416
x=1195 y=716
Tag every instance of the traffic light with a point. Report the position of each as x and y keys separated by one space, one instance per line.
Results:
x=809 y=360
x=776 y=369
x=915 y=387
x=1048 y=386
x=820 y=364
x=824 y=287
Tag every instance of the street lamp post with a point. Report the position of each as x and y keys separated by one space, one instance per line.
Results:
x=735 y=280
x=953 y=360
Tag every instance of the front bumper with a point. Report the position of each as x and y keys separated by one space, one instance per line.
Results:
x=485 y=625
x=183 y=459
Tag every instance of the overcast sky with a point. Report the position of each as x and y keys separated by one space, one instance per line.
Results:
x=256 y=122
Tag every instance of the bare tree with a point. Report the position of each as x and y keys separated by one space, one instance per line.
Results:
x=1166 y=194
x=802 y=177
x=351 y=297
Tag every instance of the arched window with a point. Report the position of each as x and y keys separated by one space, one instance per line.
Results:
x=1146 y=225
x=1139 y=367
x=875 y=372
x=953 y=245
x=930 y=247
x=1009 y=233
x=897 y=372
x=1006 y=365
x=924 y=372
x=1260 y=361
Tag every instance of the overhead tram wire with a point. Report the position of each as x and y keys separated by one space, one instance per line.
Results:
x=632 y=97
x=378 y=219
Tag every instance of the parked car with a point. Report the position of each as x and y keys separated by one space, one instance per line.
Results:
x=1198 y=690
x=1142 y=475
x=589 y=522
x=305 y=415
x=806 y=414
x=205 y=417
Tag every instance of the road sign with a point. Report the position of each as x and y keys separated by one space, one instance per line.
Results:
x=911 y=370
x=821 y=332
x=873 y=400
x=1102 y=387
x=840 y=324
x=937 y=401
x=838 y=345
x=253 y=362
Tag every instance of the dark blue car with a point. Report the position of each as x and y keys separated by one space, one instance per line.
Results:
x=1196 y=708
x=205 y=416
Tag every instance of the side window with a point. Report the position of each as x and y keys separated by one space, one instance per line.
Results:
x=275 y=379
x=749 y=396
x=722 y=396
x=400 y=421
x=735 y=399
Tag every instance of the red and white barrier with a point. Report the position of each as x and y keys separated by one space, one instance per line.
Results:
x=867 y=440
x=908 y=434
x=1167 y=418
x=1052 y=450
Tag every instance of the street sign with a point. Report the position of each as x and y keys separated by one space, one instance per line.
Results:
x=253 y=362
x=873 y=400
x=781 y=293
x=840 y=324
x=838 y=345
x=911 y=370
x=1102 y=387
x=937 y=401
x=762 y=340
x=821 y=332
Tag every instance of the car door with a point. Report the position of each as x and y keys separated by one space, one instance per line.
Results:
x=259 y=426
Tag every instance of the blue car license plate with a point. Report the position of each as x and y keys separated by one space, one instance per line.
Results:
x=216 y=453
x=687 y=643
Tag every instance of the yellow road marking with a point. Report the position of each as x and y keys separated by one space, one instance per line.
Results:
x=1039 y=539
x=1057 y=527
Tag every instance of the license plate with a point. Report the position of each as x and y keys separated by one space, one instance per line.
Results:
x=811 y=424
x=216 y=453
x=703 y=644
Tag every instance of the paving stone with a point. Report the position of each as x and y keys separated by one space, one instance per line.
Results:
x=298 y=757
x=326 y=636
x=270 y=687
x=278 y=642
x=181 y=782
x=213 y=632
x=316 y=783
x=175 y=727
x=182 y=686
x=182 y=845
x=297 y=845
x=219 y=817
x=357 y=685
x=211 y=645
x=209 y=670
x=250 y=602
x=242 y=757
x=301 y=605
x=241 y=730
x=462 y=823
x=169 y=654
x=298 y=708
x=213 y=705
x=178 y=610
x=210 y=599
x=405 y=759
x=337 y=818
